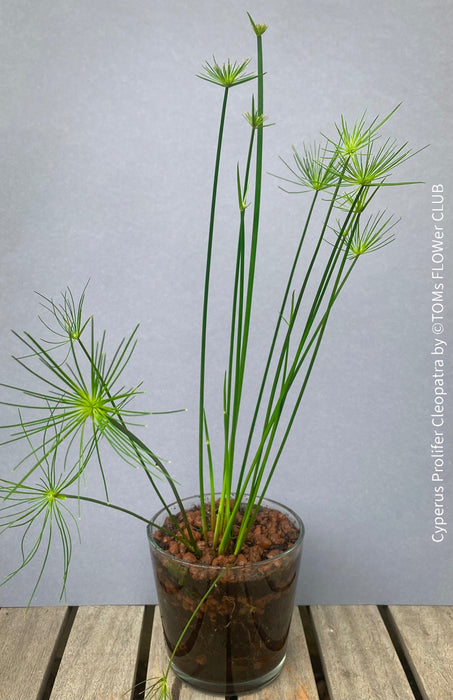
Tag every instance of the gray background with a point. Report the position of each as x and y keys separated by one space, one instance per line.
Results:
x=108 y=145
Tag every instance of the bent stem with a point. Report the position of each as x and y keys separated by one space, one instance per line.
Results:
x=106 y=504
x=160 y=684
x=113 y=506
x=136 y=443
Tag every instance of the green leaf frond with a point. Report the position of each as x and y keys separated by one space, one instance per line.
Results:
x=226 y=75
x=372 y=167
x=40 y=511
x=353 y=139
x=255 y=119
x=355 y=201
x=158 y=688
x=73 y=404
x=313 y=170
x=68 y=315
x=259 y=29
x=374 y=235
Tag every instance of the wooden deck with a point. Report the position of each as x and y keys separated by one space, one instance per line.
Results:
x=334 y=653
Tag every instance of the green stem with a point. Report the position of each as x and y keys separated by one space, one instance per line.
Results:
x=224 y=504
x=328 y=272
x=255 y=231
x=205 y=312
x=303 y=288
x=316 y=335
x=271 y=424
x=78 y=497
x=232 y=406
x=338 y=286
x=137 y=443
x=183 y=633
x=274 y=341
x=107 y=504
x=256 y=211
x=211 y=473
x=273 y=413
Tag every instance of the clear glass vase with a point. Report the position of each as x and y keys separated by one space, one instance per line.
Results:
x=236 y=642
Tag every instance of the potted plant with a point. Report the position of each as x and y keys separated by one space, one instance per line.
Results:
x=226 y=560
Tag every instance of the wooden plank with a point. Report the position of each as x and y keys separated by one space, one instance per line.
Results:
x=296 y=680
x=158 y=661
x=357 y=654
x=426 y=635
x=28 y=639
x=101 y=654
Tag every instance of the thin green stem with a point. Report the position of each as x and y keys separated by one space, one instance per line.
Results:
x=273 y=413
x=205 y=311
x=192 y=617
x=272 y=419
x=232 y=406
x=255 y=230
x=338 y=285
x=136 y=443
x=107 y=504
x=211 y=473
x=274 y=340
x=303 y=288
x=317 y=334
x=224 y=507
x=256 y=211
x=78 y=497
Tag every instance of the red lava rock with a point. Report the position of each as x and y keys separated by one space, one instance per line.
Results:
x=188 y=556
x=270 y=534
x=207 y=557
x=254 y=553
x=173 y=548
x=223 y=560
x=264 y=542
x=273 y=553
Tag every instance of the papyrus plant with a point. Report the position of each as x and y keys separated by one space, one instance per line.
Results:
x=76 y=402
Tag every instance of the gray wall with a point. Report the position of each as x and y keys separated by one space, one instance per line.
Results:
x=108 y=145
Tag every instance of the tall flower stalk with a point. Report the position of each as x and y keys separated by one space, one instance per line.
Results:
x=76 y=403
x=226 y=76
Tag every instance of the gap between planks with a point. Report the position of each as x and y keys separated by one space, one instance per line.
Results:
x=29 y=640
x=101 y=655
x=70 y=653
x=399 y=651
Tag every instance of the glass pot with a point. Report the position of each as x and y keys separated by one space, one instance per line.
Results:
x=236 y=642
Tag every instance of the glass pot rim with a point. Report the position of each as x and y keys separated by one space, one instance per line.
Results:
x=152 y=527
